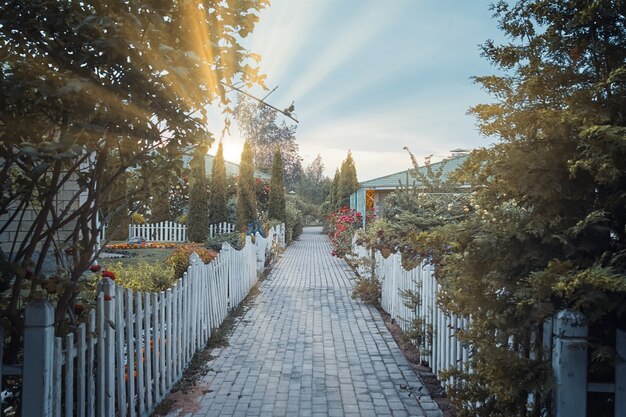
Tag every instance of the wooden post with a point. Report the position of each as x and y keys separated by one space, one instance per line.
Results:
x=569 y=364
x=38 y=359
x=110 y=300
x=620 y=374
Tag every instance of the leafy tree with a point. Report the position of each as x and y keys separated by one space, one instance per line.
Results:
x=246 y=196
x=89 y=90
x=276 y=208
x=198 y=216
x=348 y=182
x=547 y=229
x=257 y=123
x=314 y=185
x=218 y=211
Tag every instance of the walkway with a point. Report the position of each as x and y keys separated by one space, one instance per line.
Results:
x=306 y=348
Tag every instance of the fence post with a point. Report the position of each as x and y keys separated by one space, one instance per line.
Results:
x=569 y=364
x=620 y=374
x=225 y=259
x=110 y=300
x=38 y=359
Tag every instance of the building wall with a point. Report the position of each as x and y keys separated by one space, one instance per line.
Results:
x=14 y=235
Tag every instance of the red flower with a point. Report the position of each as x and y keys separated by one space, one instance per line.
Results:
x=79 y=308
x=107 y=297
x=108 y=274
x=95 y=268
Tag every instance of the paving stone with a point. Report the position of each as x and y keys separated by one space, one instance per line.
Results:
x=306 y=348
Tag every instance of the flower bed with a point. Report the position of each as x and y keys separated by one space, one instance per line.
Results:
x=145 y=245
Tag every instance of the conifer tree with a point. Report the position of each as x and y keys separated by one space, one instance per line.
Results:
x=119 y=219
x=348 y=182
x=334 y=191
x=218 y=211
x=160 y=208
x=276 y=209
x=246 y=195
x=198 y=216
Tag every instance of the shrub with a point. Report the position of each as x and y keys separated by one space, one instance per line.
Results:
x=367 y=290
x=138 y=218
x=145 y=276
x=179 y=259
x=342 y=225
x=294 y=223
x=235 y=239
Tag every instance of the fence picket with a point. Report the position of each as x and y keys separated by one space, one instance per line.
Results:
x=135 y=345
x=68 y=386
x=148 y=346
x=81 y=370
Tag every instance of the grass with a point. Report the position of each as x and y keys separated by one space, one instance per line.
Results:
x=139 y=256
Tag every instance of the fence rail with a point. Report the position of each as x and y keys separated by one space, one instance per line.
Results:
x=410 y=298
x=134 y=346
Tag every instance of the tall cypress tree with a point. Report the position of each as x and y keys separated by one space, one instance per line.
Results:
x=276 y=209
x=198 y=216
x=246 y=195
x=160 y=208
x=348 y=182
x=334 y=191
x=218 y=211
x=119 y=219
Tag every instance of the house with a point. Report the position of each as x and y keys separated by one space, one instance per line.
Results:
x=372 y=194
x=232 y=169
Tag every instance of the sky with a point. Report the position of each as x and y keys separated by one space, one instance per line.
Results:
x=373 y=76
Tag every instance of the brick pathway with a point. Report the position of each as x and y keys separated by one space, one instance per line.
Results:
x=306 y=348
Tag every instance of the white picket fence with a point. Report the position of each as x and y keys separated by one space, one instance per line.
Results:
x=159 y=232
x=438 y=343
x=563 y=337
x=133 y=346
x=220 y=228
x=176 y=232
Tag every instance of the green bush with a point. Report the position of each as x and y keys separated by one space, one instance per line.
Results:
x=145 y=276
x=294 y=223
x=236 y=240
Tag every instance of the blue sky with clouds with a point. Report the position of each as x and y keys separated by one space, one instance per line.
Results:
x=374 y=76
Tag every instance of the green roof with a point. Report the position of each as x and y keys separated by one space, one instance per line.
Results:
x=392 y=181
x=231 y=168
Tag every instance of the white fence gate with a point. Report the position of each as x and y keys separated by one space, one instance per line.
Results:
x=134 y=346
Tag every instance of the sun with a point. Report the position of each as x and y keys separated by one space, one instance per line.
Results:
x=233 y=146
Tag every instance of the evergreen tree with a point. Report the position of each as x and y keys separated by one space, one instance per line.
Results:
x=160 y=208
x=116 y=209
x=334 y=191
x=246 y=194
x=276 y=208
x=547 y=225
x=198 y=216
x=348 y=182
x=218 y=211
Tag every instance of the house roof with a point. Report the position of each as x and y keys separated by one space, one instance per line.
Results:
x=393 y=181
x=231 y=168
